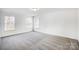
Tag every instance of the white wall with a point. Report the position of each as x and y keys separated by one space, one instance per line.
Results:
x=20 y=16
x=0 y=29
x=55 y=21
x=0 y=25
x=61 y=22
x=78 y=23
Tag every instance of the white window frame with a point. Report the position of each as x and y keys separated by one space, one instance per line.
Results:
x=9 y=23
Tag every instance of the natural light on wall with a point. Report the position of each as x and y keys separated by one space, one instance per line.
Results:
x=36 y=22
x=28 y=21
x=9 y=23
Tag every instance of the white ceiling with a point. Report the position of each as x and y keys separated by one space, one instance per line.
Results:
x=20 y=11
x=28 y=11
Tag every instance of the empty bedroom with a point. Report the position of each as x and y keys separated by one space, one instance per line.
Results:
x=39 y=29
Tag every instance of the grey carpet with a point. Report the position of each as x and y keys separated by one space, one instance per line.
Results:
x=37 y=41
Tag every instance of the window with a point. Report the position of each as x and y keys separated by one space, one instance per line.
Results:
x=9 y=23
